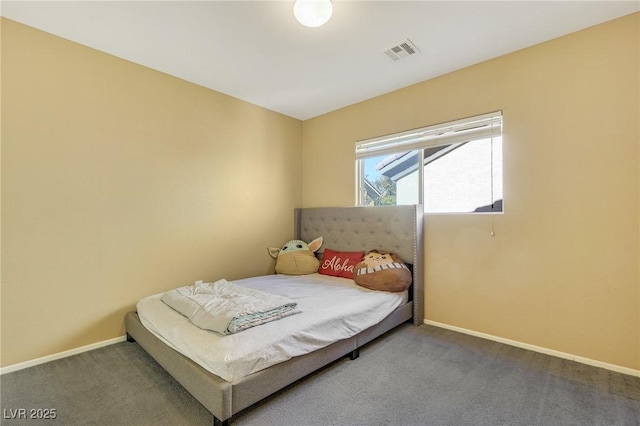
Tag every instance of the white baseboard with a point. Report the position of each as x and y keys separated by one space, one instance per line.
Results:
x=564 y=355
x=38 y=361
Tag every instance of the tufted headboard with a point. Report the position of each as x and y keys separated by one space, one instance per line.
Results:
x=396 y=229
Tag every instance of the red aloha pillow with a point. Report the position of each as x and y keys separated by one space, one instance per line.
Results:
x=340 y=263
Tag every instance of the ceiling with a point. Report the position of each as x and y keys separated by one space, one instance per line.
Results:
x=258 y=52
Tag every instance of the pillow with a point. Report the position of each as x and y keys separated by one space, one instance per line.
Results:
x=383 y=271
x=340 y=263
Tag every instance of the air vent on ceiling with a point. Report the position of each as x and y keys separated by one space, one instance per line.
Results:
x=401 y=50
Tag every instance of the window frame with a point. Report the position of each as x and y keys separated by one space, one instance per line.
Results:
x=458 y=132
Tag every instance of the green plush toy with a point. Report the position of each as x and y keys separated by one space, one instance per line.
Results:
x=297 y=257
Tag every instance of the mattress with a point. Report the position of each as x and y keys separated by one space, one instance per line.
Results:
x=332 y=309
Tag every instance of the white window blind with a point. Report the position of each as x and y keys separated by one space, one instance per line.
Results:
x=463 y=130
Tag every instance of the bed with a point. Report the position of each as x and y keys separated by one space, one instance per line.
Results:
x=395 y=228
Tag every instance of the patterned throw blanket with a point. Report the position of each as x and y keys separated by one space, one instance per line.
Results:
x=226 y=307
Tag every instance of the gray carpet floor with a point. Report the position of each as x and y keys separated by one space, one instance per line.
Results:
x=410 y=376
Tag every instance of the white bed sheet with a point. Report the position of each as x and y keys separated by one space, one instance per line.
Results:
x=332 y=309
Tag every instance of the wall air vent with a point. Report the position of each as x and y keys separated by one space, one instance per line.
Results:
x=401 y=50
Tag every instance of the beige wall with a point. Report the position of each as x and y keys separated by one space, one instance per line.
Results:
x=119 y=182
x=563 y=270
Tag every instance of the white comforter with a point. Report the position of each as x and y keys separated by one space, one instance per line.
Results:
x=226 y=307
x=332 y=309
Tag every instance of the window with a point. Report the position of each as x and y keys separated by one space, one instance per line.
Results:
x=452 y=167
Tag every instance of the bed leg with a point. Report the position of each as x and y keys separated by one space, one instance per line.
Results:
x=218 y=422
x=354 y=354
x=130 y=339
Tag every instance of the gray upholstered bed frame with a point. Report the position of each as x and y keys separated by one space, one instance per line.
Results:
x=397 y=229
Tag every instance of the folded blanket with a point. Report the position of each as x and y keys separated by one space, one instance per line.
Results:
x=226 y=307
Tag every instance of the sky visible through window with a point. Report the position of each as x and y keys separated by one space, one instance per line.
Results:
x=370 y=171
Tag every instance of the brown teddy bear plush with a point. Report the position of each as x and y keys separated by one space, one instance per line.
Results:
x=382 y=271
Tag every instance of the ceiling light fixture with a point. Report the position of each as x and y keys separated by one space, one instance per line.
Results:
x=312 y=13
